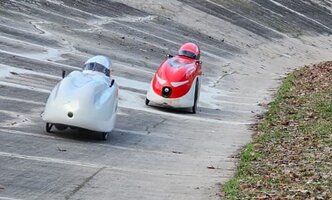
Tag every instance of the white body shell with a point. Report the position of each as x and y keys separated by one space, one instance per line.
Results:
x=88 y=97
x=185 y=101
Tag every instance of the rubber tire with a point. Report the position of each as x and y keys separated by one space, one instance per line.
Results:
x=194 y=108
x=60 y=127
x=147 y=101
x=48 y=127
x=104 y=135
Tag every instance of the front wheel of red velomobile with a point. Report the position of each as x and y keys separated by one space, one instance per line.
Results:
x=194 y=108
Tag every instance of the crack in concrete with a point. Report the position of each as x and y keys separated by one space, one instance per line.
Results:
x=147 y=128
x=219 y=79
x=34 y=24
x=80 y=186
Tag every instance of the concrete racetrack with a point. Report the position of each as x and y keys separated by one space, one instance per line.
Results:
x=153 y=153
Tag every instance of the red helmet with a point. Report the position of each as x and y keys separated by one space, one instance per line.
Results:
x=190 y=50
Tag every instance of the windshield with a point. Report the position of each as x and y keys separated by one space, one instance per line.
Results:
x=188 y=54
x=97 y=67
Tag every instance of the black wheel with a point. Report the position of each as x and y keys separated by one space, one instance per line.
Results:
x=194 y=108
x=60 y=127
x=147 y=101
x=48 y=127
x=104 y=135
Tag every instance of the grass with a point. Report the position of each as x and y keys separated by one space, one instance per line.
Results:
x=291 y=153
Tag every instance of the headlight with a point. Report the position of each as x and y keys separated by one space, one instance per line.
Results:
x=161 y=81
x=177 y=84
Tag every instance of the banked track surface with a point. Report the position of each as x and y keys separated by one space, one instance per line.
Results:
x=153 y=153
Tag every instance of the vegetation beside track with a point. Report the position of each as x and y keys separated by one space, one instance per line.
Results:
x=291 y=153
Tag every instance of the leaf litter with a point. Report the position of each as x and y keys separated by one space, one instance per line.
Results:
x=291 y=153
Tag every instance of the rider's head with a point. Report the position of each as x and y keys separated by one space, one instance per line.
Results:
x=190 y=50
x=99 y=63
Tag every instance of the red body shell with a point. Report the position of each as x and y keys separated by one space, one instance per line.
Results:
x=174 y=70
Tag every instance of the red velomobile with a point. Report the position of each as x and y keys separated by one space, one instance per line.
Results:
x=177 y=81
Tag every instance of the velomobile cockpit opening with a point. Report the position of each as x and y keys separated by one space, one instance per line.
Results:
x=97 y=67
